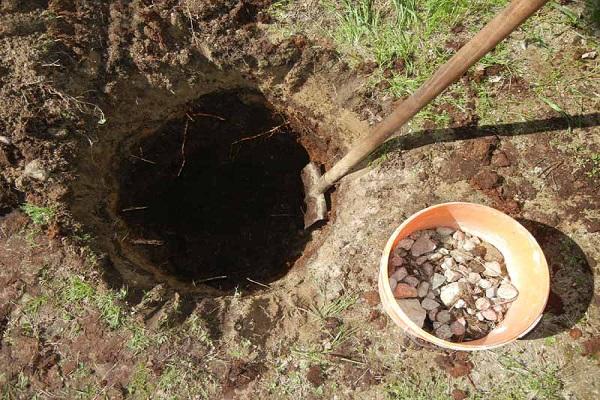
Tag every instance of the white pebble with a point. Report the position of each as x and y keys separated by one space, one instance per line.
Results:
x=473 y=277
x=491 y=292
x=468 y=245
x=460 y=304
x=448 y=263
x=459 y=235
x=492 y=268
x=507 y=291
x=450 y=293
x=485 y=284
x=452 y=276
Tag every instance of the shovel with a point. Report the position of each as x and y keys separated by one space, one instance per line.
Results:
x=315 y=184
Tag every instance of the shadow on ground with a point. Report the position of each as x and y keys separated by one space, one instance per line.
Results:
x=571 y=280
x=430 y=136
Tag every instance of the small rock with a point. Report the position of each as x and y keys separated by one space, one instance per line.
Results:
x=492 y=268
x=452 y=276
x=460 y=256
x=444 y=251
x=473 y=278
x=486 y=179
x=427 y=269
x=507 y=291
x=459 y=236
x=412 y=281
x=5 y=140
x=431 y=314
x=423 y=289
x=480 y=316
x=477 y=290
x=437 y=280
x=371 y=297
x=498 y=308
x=405 y=244
x=457 y=328
x=482 y=303
x=490 y=293
x=421 y=260
x=413 y=310
x=469 y=245
x=436 y=324
x=491 y=253
x=429 y=304
x=421 y=246
x=484 y=284
x=396 y=261
x=435 y=256
x=443 y=332
x=470 y=311
x=443 y=316
x=489 y=314
x=449 y=294
x=393 y=284
x=448 y=263
x=590 y=55
x=36 y=170
x=444 y=231
x=460 y=304
x=404 y=291
x=431 y=295
x=400 y=274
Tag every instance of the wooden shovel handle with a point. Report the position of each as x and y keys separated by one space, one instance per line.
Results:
x=492 y=34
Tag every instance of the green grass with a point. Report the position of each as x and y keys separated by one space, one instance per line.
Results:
x=594 y=161
x=39 y=215
x=416 y=388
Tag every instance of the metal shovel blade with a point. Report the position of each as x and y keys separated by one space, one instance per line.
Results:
x=316 y=206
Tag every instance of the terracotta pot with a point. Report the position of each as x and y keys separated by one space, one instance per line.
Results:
x=524 y=260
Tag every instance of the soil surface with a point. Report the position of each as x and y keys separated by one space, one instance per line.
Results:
x=101 y=297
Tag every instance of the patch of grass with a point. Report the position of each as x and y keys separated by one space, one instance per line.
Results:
x=594 y=161
x=78 y=291
x=358 y=18
x=33 y=305
x=39 y=215
x=140 y=386
x=527 y=382
x=140 y=340
x=336 y=307
x=416 y=388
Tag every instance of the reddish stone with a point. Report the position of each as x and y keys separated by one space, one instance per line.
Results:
x=404 y=291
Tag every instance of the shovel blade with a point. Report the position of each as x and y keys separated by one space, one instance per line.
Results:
x=316 y=206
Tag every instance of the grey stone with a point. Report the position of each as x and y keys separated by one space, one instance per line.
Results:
x=457 y=328
x=461 y=256
x=445 y=231
x=422 y=246
x=427 y=269
x=393 y=283
x=423 y=289
x=443 y=316
x=413 y=310
x=400 y=274
x=405 y=243
x=412 y=281
x=396 y=261
x=437 y=280
x=429 y=304
x=489 y=314
x=443 y=332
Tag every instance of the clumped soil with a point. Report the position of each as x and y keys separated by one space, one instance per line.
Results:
x=216 y=196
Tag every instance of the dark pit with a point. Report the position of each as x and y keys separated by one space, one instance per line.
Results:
x=215 y=197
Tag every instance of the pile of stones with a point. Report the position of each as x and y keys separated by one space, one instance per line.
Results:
x=450 y=283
